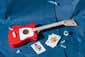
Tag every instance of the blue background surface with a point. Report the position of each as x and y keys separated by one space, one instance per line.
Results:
x=22 y=12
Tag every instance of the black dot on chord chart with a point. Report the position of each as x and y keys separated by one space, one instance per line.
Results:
x=25 y=31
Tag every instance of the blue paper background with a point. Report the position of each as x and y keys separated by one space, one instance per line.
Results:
x=22 y=12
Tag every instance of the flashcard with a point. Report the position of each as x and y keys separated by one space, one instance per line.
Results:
x=38 y=47
x=25 y=33
x=53 y=40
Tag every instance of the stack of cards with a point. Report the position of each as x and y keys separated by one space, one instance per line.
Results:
x=53 y=40
x=38 y=47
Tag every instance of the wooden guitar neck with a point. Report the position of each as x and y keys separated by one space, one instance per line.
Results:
x=64 y=22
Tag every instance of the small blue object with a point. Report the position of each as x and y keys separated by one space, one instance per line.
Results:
x=63 y=41
x=53 y=2
x=66 y=33
x=10 y=28
x=63 y=46
x=18 y=51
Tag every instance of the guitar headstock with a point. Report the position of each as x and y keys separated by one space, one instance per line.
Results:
x=70 y=22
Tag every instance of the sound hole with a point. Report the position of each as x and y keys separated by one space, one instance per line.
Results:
x=25 y=31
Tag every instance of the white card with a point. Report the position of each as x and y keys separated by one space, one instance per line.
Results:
x=25 y=36
x=38 y=47
x=53 y=40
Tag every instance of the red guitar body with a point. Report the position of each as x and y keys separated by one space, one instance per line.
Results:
x=15 y=41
